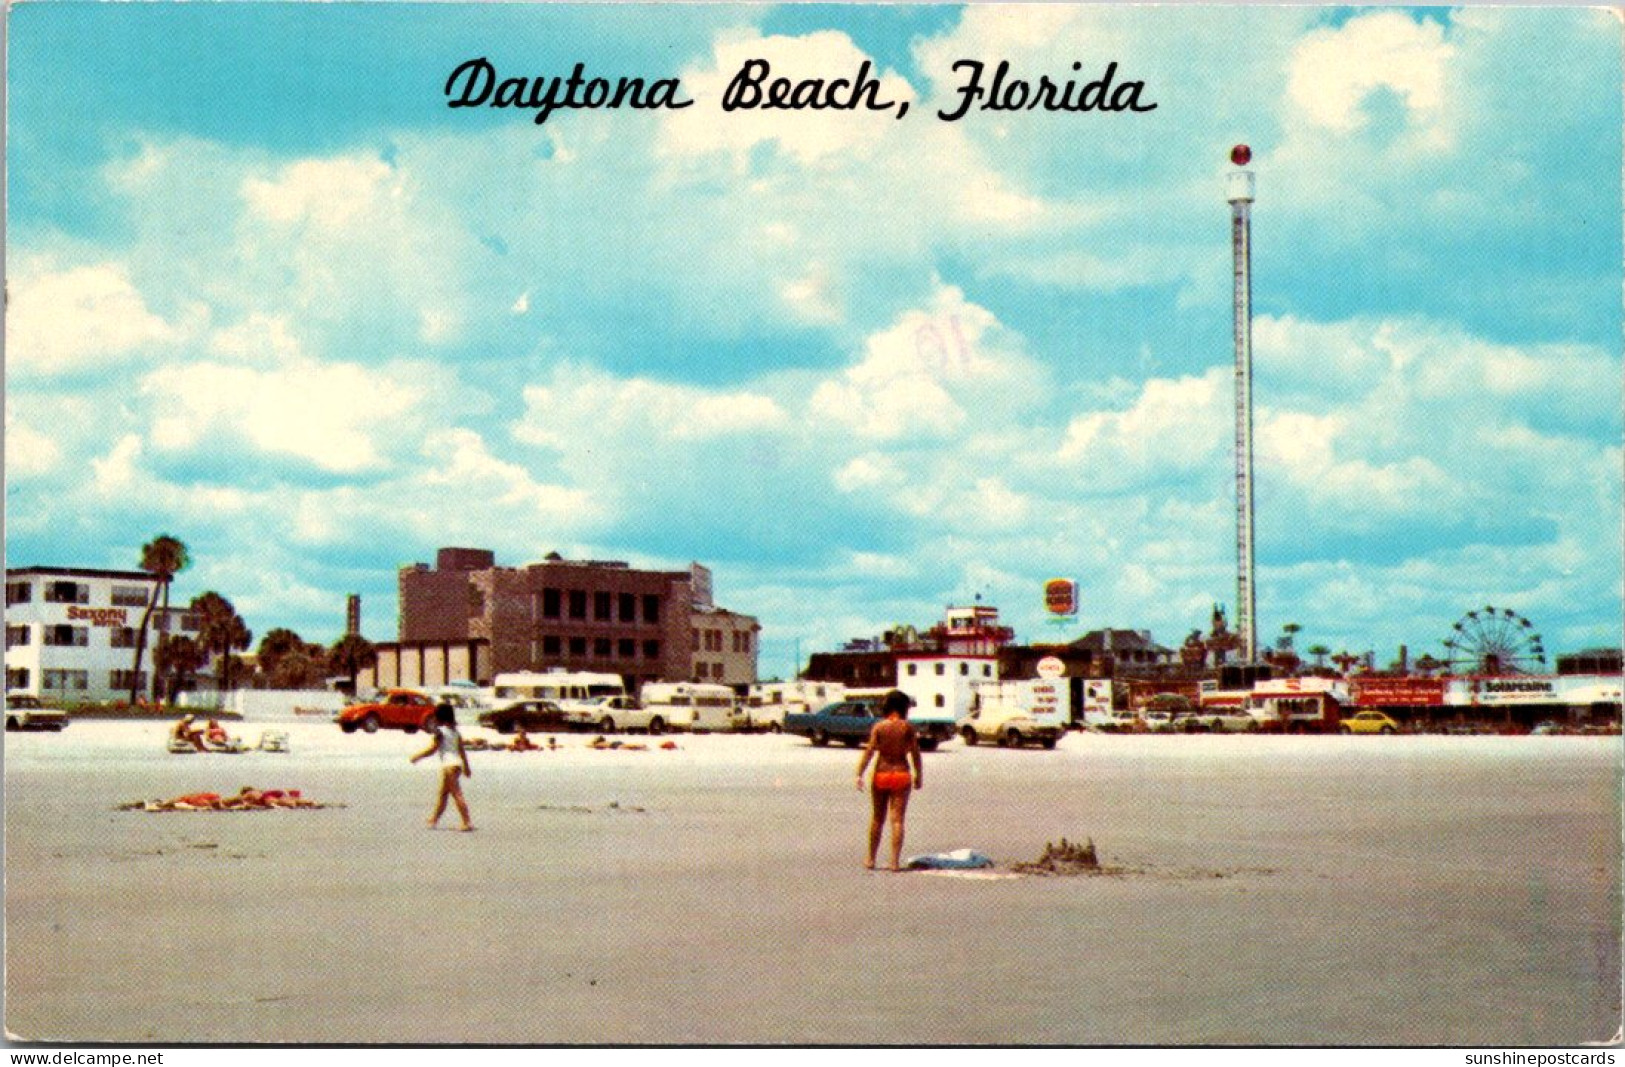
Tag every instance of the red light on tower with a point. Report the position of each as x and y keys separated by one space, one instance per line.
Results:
x=1241 y=155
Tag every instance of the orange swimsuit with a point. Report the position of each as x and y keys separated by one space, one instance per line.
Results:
x=893 y=781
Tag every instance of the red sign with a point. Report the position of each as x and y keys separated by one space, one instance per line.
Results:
x=99 y=616
x=1397 y=692
x=1061 y=596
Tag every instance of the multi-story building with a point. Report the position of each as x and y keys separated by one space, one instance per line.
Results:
x=468 y=619
x=71 y=631
x=725 y=646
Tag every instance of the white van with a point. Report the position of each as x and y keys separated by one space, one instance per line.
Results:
x=577 y=693
x=695 y=706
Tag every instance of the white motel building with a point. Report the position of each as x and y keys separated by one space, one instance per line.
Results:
x=71 y=632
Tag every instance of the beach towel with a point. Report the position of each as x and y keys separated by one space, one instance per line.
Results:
x=958 y=860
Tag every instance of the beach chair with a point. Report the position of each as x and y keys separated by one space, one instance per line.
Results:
x=273 y=741
x=180 y=747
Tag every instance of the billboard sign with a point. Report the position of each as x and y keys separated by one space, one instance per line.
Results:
x=1397 y=692
x=1061 y=596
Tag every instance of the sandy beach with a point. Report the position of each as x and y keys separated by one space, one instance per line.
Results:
x=1348 y=891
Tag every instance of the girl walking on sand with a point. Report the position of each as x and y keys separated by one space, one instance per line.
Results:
x=448 y=745
x=893 y=745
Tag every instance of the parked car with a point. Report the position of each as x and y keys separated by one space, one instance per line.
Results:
x=1159 y=722
x=608 y=714
x=25 y=712
x=848 y=722
x=1368 y=722
x=530 y=714
x=398 y=709
x=1229 y=720
x=1009 y=727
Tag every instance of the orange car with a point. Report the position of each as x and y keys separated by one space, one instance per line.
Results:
x=400 y=709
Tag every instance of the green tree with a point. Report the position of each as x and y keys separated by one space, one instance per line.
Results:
x=163 y=557
x=221 y=631
x=274 y=646
x=175 y=661
x=1320 y=652
x=350 y=654
x=300 y=668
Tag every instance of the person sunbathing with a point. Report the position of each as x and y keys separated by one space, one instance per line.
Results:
x=244 y=799
x=523 y=743
x=186 y=733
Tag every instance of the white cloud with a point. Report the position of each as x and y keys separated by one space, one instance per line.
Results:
x=80 y=318
x=810 y=136
x=328 y=415
x=580 y=404
x=29 y=453
x=1173 y=425
x=1334 y=71
x=328 y=193
x=918 y=376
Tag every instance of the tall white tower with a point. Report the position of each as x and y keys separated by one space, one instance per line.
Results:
x=1240 y=195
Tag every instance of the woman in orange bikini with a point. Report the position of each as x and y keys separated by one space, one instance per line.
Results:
x=893 y=745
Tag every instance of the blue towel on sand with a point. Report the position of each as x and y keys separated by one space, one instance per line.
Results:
x=958 y=859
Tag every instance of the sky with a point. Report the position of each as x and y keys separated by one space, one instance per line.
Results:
x=269 y=294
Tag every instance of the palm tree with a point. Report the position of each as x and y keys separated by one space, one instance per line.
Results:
x=1320 y=652
x=163 y=557
x=350 y=654
x=220 y=631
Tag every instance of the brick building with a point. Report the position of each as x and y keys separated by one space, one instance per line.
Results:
x=467 y=618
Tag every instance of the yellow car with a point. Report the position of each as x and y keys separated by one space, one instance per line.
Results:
x=1369 y=722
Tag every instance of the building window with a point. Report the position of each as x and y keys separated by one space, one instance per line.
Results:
x=66 y=680
x=603 y=648
x=601 y=604
x=651 y=650
x=19 y=634
x=66 y=593
x=65 y=636
x=578 y=646
x=941 y=668
x=628 y=648
x=964 y=668
x=550 y=645
x=121 y=679
x=16 y=677
x=940 y=701
x=578 y=603
x=18 y=593
x=122 y=637
x=651 y=607
x=129 y=596
x=697 y=645
x=629 y=607
x=913 y=668
x=550 y=603
x=987 y=670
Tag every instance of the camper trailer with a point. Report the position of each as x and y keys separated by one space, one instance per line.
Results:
x=579 y=694
x=768 y=702
x=695 y=706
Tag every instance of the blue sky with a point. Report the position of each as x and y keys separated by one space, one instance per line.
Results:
x=270 y=295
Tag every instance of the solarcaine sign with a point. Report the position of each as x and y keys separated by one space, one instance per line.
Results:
x=1496 y=692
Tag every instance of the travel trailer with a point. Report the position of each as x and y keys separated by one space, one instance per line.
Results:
x=577 y=693
x=695 y=706
x=768 y=702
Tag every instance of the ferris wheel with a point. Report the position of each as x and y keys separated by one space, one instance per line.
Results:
x=1491 y=640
